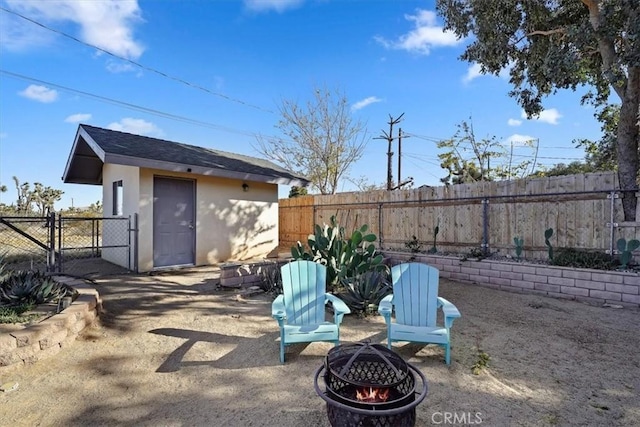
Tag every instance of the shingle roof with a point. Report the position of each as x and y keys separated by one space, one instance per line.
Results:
x=95 y=146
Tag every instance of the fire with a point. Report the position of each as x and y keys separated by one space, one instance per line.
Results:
x=372 y=395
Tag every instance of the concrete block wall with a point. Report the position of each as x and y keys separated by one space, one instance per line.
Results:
x=239 y=274
x=591 y=286
x=35 y=342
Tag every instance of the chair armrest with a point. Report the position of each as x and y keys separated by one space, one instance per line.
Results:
x=339 y=306
x=450 y=311
x=278 y=310
x=385 y=307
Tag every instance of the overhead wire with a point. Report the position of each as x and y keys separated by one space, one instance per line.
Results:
x=137 y=64
x=131 y=106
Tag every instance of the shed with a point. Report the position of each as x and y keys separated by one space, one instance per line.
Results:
x=189 y=205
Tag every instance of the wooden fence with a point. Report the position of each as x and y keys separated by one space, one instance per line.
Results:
x=584 y=212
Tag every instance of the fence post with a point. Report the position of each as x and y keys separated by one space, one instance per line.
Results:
x=380 y=222
x=485 y=226
x=60 y=260
x=51 y=255
x=129 y=243
x=612 y=196
x=135 y=242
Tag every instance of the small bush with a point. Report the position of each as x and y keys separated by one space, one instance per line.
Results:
x=580 y=258
x=414 y=246
x=16 y=314
x=271 y=279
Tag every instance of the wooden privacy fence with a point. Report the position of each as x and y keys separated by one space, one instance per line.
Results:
x=584 y=212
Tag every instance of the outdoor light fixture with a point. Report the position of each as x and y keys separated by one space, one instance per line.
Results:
x=245 y=187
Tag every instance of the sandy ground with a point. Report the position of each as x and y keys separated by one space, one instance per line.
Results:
x=175 y=350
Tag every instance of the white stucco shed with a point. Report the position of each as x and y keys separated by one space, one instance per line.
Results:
x=188 y=205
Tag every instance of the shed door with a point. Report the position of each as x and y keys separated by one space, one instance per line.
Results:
x=173 y=222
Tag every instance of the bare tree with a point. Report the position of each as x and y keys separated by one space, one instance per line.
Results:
x=321 y=140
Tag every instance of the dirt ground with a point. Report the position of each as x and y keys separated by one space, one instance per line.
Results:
x=176 y=350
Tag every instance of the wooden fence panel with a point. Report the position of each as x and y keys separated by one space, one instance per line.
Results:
x=576 y=207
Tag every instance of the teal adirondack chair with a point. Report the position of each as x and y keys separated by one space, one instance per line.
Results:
x=415 y=301
x=300 y=309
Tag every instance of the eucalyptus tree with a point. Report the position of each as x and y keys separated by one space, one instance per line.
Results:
x=549 y=45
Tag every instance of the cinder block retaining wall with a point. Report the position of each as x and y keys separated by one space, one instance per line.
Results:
x=238 y=274
x=41 y=340
x=590 y=286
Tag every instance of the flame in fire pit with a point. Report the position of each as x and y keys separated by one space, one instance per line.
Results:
x=372 y=395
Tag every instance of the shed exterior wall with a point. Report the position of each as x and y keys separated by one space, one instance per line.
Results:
x=231 y=224
x=116 y=233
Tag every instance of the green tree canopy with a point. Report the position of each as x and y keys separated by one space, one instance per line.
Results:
x=296 y=191
x=468 y=159
x=563 y=44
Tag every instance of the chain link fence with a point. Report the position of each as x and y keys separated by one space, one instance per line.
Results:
x=64 y=244
x=25 y=242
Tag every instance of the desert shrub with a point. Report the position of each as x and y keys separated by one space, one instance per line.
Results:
x=580 y=258
x=271 y=281
x=29 y=287
x=345 y=257
x=16 y=314
x=363 y=293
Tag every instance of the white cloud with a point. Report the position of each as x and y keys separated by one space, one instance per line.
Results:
x=17 y=34
x=425 y=35
x=365 y=102
x=473 y=72
x=106 y=24
x=550 y=116
x=519 y=140
x=136 y=126
x=277 y=5
x=119 y=67
x=40 y=93
x=78 y=118
x=514 y=122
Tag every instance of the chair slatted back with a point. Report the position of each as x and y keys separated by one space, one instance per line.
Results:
x=415 y=293
x=304 y=287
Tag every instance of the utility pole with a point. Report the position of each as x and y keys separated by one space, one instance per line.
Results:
x=400 y=156
x=389 y=138
x=409 y=180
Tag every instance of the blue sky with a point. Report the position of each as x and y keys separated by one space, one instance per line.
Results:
x=213 y=74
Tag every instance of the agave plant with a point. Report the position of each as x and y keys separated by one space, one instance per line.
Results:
x=31 y=287
x=363 y=292
x=18 y=288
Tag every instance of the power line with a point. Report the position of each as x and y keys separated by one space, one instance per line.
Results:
x=132 y=106
x=137 y=64
x=427 y=138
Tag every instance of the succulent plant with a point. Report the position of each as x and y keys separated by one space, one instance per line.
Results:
x=344 y=257
x=626 y=248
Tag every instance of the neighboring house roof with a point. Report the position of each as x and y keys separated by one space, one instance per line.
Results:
x=94 y=146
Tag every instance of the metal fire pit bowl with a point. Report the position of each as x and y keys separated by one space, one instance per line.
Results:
x=350 y=367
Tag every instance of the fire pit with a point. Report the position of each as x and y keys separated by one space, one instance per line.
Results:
x=369 y=385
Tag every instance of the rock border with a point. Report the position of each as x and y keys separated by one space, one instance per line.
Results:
x=44 y=339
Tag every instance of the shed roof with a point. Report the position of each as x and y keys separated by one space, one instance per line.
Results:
x=94 y=146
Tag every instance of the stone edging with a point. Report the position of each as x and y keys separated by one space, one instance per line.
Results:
x=41 y=340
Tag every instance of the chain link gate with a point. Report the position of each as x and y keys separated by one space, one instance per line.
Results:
x=64 y=244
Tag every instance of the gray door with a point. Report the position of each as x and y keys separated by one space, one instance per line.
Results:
x=173 y=222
